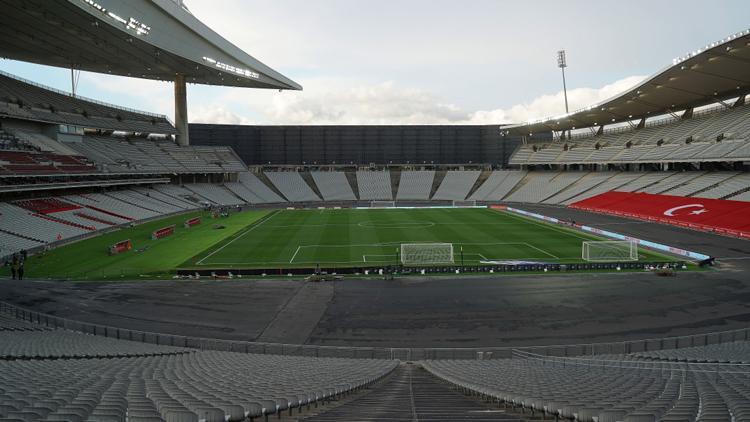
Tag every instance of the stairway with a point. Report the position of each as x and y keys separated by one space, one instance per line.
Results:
x=437 y=181
x=412 y=394
x=351 y=176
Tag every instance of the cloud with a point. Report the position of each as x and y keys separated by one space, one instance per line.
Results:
x=327 y=101
x=384 y=103
x=216 y=115
x=554 y=104
x=334 y=101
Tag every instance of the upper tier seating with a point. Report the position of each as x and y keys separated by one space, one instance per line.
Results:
x=22 y=99
x=415 y=185
x=10 y=142
x=333 y=185
x=710 y=135
x=118 y=155
x=37 y=163
x=292 y=186
x=374 y=185
x=456 y=185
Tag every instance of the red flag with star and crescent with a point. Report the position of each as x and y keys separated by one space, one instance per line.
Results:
x=724 y=216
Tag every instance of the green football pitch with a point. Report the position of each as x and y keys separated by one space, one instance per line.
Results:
x=373 y=237
x=304 y=238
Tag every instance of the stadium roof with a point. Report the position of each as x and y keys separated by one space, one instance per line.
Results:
x=719 y=71
x=151 y=39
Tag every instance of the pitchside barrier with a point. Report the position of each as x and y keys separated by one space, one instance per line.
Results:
x=162 y=232
x=612 y=235
x=120 y=247
x=558 y=351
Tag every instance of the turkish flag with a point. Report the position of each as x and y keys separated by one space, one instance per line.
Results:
x=730 y=217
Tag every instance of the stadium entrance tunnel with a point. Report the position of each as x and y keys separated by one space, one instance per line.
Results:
x=432 y=269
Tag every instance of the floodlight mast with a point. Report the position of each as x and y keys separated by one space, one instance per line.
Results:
x=562 y=63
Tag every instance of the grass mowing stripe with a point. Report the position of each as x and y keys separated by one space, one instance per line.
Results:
x=236 y=237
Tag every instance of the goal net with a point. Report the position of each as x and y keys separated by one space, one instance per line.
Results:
x=609 y=250
x=464 y=203
x=426 y=253
x=383 y=204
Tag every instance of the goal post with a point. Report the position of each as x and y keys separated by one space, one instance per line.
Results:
x=609 y=250
x=426 y=253
x=464 y=203
x=383 y=204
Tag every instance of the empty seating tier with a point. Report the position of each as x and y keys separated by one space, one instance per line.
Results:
x=415 y=185
x=374 y=185
x=456 y=185
x=292 y=186
x=333 y=185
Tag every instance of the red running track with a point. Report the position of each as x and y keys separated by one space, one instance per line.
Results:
x=716 y=215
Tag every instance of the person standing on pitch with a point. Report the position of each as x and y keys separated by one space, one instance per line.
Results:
x=20 y=269
x=14 y=267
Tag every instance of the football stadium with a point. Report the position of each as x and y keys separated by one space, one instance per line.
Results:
x=593 y=266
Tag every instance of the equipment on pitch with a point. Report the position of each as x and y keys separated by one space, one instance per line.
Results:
x=426 y=253
x=609 y=250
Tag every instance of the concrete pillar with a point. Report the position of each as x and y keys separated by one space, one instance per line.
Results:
x=180 y=110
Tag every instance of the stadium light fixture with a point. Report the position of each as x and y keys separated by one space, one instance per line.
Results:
x=562 y=63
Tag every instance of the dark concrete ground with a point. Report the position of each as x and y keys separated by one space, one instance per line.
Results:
x=434 y=312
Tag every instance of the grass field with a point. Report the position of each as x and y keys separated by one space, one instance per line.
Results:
x=304 y=238
x=345 y=238
x=89 y=259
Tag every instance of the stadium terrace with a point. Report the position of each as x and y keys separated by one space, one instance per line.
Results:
x=587 y=267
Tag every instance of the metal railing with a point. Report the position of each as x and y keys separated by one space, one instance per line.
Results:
x=79 y=97
x=639 y=363
x=404 y=354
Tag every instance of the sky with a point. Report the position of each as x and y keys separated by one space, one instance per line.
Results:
x=425 y=61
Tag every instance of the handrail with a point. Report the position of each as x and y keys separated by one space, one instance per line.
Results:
x=79 y=97
x=650 y=365
x=403 y=353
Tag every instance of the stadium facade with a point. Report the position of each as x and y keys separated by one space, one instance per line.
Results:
x=330 y=145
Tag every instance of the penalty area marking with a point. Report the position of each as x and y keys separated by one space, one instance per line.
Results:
x=295 y=254
x=396 y=224
x=257 y=224
x=456 y=253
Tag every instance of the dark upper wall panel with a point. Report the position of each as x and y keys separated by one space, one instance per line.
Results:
x=280 y=145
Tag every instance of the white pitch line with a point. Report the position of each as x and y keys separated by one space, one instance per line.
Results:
x=569 y=232
x=236 y=238
x=295 y=254
x=541 y=250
